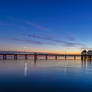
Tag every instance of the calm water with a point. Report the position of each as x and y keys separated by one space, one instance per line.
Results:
x=45 y=76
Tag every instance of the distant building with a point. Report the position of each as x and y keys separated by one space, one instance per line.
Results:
x=89 y=52
x=84 y=52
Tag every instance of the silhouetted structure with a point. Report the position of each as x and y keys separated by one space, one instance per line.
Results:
x=86 y=55
x=26 y=54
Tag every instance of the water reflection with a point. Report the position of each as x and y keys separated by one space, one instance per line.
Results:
x=25 y=69
x=84 y=64
x=46 y=75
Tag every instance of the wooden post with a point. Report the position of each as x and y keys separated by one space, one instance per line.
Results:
x=56 y=57
x=82 y=57
x=74 y=57
x=26 y=57
x=35 y=57
x=46 y=57
x=65 y=57
x=15 y=57
x=4 y=57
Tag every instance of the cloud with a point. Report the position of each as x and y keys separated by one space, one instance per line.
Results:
x=70 y=38
x=65 y=43
x=43 y=38
x=23 y=25
x=31 y=41
x=27 y=41
x=23 y=22
x=74 y=44
x=36 y=26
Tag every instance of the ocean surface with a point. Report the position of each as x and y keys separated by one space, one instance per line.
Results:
x=45 y=76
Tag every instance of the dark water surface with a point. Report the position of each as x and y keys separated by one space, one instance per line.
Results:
x=45 y=76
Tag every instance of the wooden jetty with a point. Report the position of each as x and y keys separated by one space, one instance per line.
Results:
x=35 y=55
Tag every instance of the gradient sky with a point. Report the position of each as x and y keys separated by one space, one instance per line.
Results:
x=45 y=25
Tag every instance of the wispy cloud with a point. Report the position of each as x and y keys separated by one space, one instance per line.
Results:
x=42 y=37
x=25 y=23
x=27 y=41
x=65 y=43
x=70 y=38
x=66 y=40
x=31 y=41
x=74 y=44
x=36 y=26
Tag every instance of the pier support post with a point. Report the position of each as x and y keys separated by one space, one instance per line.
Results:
x=65 y=57
x=55 y=57
x=74 y=57
x=4 y=57
x=26 y=57
x=82 y=57
x=46 y=57
x=35 y=57
x=85 y=58
x=15 y=57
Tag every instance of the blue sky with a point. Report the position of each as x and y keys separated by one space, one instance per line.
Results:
x=45 y=25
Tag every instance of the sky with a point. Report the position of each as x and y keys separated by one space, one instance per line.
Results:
x=56 y=26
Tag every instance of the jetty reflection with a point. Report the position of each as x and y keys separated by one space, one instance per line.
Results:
x=25 y=69
x=40 y=74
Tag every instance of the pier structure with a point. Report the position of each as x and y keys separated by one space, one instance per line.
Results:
x=35 y=55
x=85 y=55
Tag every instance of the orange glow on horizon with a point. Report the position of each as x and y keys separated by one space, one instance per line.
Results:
x=42 y=51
